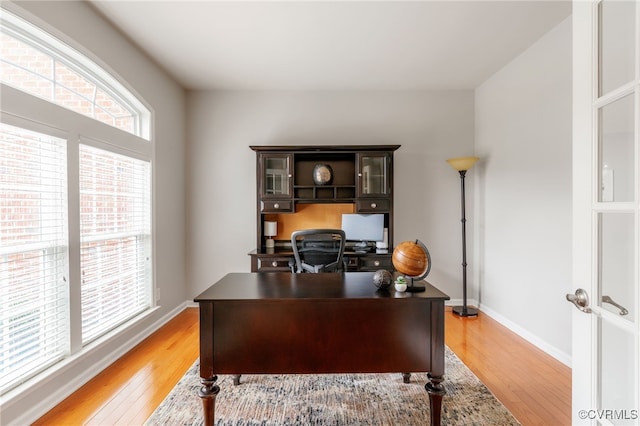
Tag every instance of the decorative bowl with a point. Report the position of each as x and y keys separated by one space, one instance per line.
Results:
x=400 y=287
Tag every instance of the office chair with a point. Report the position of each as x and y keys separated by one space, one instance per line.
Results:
x=318 y=250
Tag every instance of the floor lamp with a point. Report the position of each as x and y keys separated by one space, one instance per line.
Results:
x=462 y=164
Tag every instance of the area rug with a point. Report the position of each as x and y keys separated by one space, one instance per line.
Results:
x=334 y=399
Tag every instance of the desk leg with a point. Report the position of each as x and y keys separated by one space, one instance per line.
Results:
x=436 y=391
x=208 y=393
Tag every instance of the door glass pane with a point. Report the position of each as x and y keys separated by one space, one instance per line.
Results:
x=617 y=263
x=276 y=180
x=616 y=123
x=374 y=173
x=617 y=43
x=618 y=373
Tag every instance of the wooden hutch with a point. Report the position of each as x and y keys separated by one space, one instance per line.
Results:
x=288 y=192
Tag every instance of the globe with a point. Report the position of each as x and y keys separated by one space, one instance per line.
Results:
x=412 y=259
x=382 y=279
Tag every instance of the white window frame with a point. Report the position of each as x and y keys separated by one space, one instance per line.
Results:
x=29 y=112
x=58 y=51
x=54 y=255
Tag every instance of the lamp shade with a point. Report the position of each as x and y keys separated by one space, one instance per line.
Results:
x=271 y=229
x=462 y=163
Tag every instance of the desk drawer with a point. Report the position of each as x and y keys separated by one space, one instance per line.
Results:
x=274 y=264
x=373 y=205
x=373 y=263
x=276 y=206
x=369 y=262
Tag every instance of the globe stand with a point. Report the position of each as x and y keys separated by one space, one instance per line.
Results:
x=415 y=288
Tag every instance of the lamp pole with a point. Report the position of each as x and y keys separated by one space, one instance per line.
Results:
x=462 y=165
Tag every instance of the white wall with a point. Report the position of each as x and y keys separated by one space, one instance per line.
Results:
x=79 y=25
x=523 y=134
x=430 y=126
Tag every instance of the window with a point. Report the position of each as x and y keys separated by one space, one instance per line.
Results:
x=34 y=62
x=115 y=234
x=34 y=297
x=75 y=203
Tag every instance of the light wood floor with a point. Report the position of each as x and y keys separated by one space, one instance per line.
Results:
x=129 y=390
x=533 y=386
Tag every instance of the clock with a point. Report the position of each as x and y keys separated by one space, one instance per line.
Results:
x=322 y=174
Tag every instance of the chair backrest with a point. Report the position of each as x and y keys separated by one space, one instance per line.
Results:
x=318 y=250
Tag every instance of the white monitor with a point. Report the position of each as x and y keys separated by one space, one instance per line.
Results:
x=363 y=227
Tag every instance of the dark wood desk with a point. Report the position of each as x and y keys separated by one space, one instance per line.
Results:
x=283 y=323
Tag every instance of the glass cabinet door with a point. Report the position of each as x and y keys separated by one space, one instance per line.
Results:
x=276 y=175
x=373 y=174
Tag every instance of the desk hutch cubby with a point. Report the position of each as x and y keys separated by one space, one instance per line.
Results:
x=311 y=186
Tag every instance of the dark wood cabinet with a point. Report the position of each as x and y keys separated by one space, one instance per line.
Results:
x=276 y=172
x=275 y=186
x=309 y=186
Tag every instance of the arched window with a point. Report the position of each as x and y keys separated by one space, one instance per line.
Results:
x=35 y=62
x=75 y=202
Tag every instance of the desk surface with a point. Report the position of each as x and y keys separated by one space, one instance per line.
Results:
x=285 y=285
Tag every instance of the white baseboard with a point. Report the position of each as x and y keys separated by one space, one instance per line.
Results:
x=529 y=337
x=551 y=350
x=59 y=389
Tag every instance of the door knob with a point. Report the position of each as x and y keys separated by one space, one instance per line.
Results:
x=581 y=300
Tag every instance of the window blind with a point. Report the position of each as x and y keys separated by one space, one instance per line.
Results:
x=115 y=237
x=34 y=310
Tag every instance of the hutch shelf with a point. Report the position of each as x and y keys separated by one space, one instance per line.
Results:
x=311 y=186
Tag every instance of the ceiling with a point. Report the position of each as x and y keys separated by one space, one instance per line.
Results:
x=333 y=45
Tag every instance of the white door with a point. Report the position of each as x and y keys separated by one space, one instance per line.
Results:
x=606 y=191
